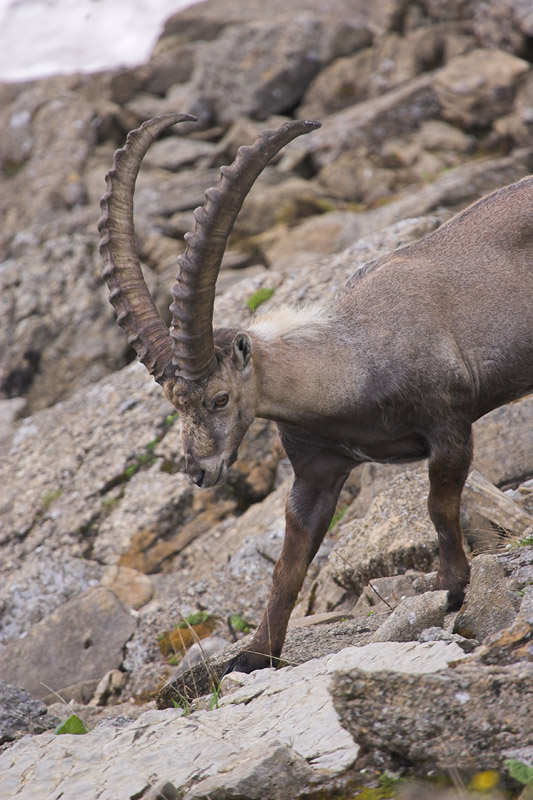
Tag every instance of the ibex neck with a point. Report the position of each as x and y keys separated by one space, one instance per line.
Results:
x=298 y=382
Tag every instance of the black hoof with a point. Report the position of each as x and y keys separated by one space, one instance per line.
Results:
x=454 y=600
x=248 y=662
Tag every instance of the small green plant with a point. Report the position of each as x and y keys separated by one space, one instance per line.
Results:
x=525 y=541
x=146 y=458
x=194 y=619
x=215 y=697
x=171 y=419
x=73 y=725
x=182 y=702
x=239 y=624
x=261 y=296
x=12 y=168
x=109 y=503
x=523 y=773
x=143 y=460
x=388 y=782
x=50 y=496
x=338 y=515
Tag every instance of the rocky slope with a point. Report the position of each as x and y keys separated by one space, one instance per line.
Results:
x=122 y=586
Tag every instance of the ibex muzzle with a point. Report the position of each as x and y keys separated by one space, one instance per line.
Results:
x=416 y=346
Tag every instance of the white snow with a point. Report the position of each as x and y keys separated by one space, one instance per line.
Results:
x=39 y=38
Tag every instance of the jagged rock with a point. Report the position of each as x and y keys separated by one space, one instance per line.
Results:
x=345 y=23
x=385 y=594
x=101 y=476
x=412 y=616
x=281 y=771
x=441 y=136
x=58 y=485
x=306 y=640
x=10 y=410
x=62 y=335
x=501 y=452
x=21 y=714
x=454 y=189
x=488 y=606
x=392 y=61
x=173 y=153
x=485 y=506
x=476 y=88
x=505 y=24
x=287 y=200
x=394 y=113
x=355 y=177
x=257 y=68
x=48 y=137
x=517 y=564
x=296 y=249
x=460 y=10
x=433 y=721
x=509 y=645
x=398 y=520
x=76 y=644
x=438 y=634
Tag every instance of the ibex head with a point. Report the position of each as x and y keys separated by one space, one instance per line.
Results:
x=208 y=375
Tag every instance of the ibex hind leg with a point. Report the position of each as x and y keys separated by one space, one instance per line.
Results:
x=449 y=464
x=319 y=478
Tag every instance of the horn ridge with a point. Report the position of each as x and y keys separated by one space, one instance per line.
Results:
x=128 y=293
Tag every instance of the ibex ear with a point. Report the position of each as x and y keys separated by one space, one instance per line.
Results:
x=242 y=351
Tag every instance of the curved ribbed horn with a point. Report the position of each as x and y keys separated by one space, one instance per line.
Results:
x=128 y=293
x=194 y=291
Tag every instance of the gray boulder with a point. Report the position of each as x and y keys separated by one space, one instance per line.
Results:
x=412 y=616
x=488 y=605
x=72 y=648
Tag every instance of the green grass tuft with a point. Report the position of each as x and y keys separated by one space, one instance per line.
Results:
x=261 y=296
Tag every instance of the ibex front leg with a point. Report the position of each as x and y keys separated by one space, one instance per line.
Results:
x=448 y=469
x=310 y=508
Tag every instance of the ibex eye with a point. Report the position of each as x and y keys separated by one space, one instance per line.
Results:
x=221 y=400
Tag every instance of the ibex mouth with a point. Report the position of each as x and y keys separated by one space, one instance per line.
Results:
x=219 y=479
x=207 y=480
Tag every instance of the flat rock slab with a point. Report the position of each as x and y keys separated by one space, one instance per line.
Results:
x=79 y=642
x=234 y=746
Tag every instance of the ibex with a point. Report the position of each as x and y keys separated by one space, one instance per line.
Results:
x=415 y=347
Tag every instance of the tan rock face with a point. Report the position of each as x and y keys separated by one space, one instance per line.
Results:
x=131 y=587
x=476 y=88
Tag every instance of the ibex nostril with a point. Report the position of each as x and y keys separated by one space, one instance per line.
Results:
x=198 y=479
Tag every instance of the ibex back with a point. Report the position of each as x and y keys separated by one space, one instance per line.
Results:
x=416 y=346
